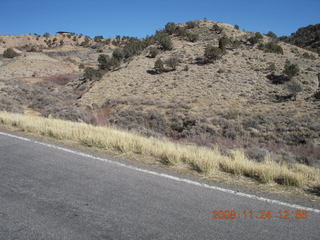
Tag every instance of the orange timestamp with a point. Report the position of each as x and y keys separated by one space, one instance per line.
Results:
x=259 y=215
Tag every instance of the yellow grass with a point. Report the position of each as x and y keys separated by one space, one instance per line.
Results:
x=203 y=160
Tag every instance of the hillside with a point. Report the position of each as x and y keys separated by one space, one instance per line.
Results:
x=237 y=95
x=306 y=37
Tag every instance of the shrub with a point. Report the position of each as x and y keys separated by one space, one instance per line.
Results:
x=170 y=28
x=216 y=29
x=133 y=47
x=223 y=42
x=115 y=42
x=92 y=74
x=271 y=47
x=291 y=70
x=98 y=38
x=103 y=61
x=256 y=38
x=235 y=43
x=10 y=53
x=159 y=66
x=308 y=56
x=107 y=63
x=192 y=37
x=46 y=35
x=86 y=42
x=172 y=63
x=153 y=52
x=294 y=88
x=113 y=63
x=48 y=42
x=236 y=27
x=117 y=54
x=181 y=31
x=191 y=24
x=212 y=54
x=165 y=43
x=272 y=67
x=272 y=35
x=61 y=42
x=81 y=66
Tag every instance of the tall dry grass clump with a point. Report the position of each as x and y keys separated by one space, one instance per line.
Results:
x=204 y=160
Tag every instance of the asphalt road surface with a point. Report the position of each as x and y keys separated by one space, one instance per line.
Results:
x=48 y=193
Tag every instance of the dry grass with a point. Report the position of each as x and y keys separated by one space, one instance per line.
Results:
x=206 y=161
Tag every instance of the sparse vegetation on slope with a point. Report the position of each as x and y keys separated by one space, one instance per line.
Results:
x=203 y=160
x=203 y=82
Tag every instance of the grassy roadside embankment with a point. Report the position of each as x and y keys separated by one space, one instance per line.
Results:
x=206 y=161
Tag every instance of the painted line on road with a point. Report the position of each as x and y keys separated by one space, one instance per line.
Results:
x=178 y=179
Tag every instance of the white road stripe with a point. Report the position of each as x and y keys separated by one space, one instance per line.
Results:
x=178 y=179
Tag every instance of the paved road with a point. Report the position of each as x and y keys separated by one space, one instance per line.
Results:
x=46 y=193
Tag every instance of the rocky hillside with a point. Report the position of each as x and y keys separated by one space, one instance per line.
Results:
x=202 y=81
x=306 y=37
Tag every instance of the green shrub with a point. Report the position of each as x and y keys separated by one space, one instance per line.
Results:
x=103 y=61
x=191 y=24
x=212 y=54
x=46 y=35
x=290 y=70
x=256 y=38
x=224 y=42
x=117 y=54
x=86 y=42
x=165 y=43
x=172 y=63
x=216 y=29
x=272 y=35
x=61 y=42
x=159 y=66
x=133 y=47
x=236 y=27
x=81 y=66
x=153 y=52
x=235 y=43
x=170 y=28
x=98 y=38
x=272 y=67
x=107 y=63
x=114 y=63
x=308 y=56
x=192 y=37
x=271 y=47
x=92 y=74
x=10 y=53
x=181 y=31
x=48 y=42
